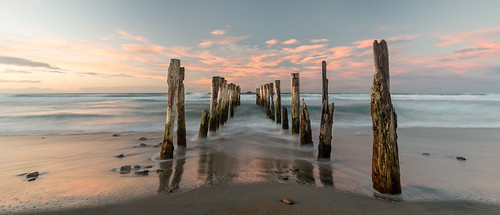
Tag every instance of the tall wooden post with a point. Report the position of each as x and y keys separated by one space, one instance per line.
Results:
x=295 y=103
x=278 y=101
x=325 y=132
x=285 y=118
x=219 y=102
x=167 y=146
x=257 y=96
x=305 y=126
x=262 y=96
x=385 y=160
x=238 y=91
x=271 y=98
x=213 y=103
x=267 y=105
x=181 y=115
x=204 y=124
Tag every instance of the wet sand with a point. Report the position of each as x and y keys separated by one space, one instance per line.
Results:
x=241 y=171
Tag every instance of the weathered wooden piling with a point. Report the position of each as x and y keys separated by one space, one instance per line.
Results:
x=278 y=101
x=271 y=98
x=205 y=117
x=285 y=118
x=213 y=103
x=238 y=92
x=305 y=126
x=219 y=102
x=167 y=146
x=385 y=160
x=267 y=103
x=257 y=96
x=325 y=132
x=181 y=115
x=295 y=103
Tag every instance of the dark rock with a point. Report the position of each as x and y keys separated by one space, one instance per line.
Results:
x=148 y=167
x=142 y=138
x=159 y=170
x=137 y=166
x=143 y=172
x=287 y=201
x=120 y=156
x=284 y=178
x=125 y=169
x=461 y=158
x=156 y=146
x=143 y=145
x=32 y=174
x=31 y=179
x=115 y=135
x=425 y=154
x=296 y=169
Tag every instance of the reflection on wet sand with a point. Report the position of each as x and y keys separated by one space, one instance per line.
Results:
x=167 y=168
x=216 y=166
x=326 y=174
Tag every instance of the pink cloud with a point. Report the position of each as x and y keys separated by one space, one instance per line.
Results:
x=319 y=40
x=469 y=36
x=272 y=42
x=218 y=32
x=303 y=48
x=363 y=43
x=290 y=42
x=144 y=49
x=124 y=35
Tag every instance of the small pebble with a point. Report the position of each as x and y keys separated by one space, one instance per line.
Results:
x=461 y=158
x=137 y=166
x=284 y=178
x=120 y=156
x=143 y=145
x=142 y=138
x=143 y=172
x=125 y=169
x=115 y=135
x=296 y=169
x=159 y=170
x=32 y=174
x=148 y=166
x=425 y=154
x=31 y=179
x=287 y=201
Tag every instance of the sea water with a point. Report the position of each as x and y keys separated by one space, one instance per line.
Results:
x=38 y=114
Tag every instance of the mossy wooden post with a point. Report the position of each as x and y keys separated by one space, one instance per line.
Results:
x=278 y=101
x=295 y=103
x=181 y=114
x=305 y=126
x=385 y=160
x=325 y=132
x=213 y=103
x=257 y=96
x=167 y=146
x=205 y=117
x=285 y=119
x=271 y=98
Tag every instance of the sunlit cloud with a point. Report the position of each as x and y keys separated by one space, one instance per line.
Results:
x=290 y=42
x=124 y=35
x=319 y=40
x=272 y=42
x=218 y=32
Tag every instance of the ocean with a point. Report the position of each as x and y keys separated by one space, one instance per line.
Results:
x=39 y=114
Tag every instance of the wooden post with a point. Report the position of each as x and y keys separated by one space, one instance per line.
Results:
x=213 y=103
x=325 y=132
x=181 y=115
x=271 y=99
x=285 y=118
x=305 y=126
x=267 y=105
x=278 y=101
x=257 y=96
x=219 y=102
x=204 y=124
x=238 y=91
x=262 y=96
x=233 y=97
x=385 y=160
x=167 y=146
x=295 y=103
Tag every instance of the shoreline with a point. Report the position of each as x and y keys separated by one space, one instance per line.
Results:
x=78 y=173
x=265 y=198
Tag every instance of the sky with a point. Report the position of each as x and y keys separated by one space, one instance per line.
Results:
x=122 y=46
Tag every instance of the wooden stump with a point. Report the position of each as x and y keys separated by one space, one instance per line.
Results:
x=213 y=103
x=278 y=101
x=385 y=160
x=257 y=96
x=271 y=98
x=238 y=92
x=295 y=103
x=325 y=132
x=204 y=124
x=167 y=146
x=305 y=126
x=285 y=118
x=181 y=115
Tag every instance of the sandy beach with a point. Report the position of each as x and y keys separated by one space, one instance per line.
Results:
x=236 y=172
